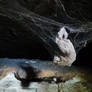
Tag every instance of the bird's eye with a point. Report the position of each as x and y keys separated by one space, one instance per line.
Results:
x=67 y=30
x=63 y=36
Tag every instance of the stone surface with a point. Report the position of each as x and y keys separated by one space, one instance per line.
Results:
x=28 y=29
x=25 y=30
x=77 y=84
x=75 y=79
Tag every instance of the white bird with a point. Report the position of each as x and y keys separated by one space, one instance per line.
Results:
x=66 y=47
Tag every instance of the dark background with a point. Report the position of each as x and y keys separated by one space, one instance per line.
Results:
x=13 y=44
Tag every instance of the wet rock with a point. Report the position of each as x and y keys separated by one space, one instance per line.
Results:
x=9 y=84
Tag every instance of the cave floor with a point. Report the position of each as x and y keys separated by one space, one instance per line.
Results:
x=81 y=82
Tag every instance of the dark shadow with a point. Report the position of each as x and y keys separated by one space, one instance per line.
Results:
x=84 y=56
x=15 y=42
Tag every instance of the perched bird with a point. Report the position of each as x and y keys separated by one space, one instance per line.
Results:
x=66 y=47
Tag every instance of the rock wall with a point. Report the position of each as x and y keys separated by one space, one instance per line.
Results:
x=28 y=26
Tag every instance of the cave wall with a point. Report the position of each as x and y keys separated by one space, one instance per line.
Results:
x=17 y=38
x=84 y=56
